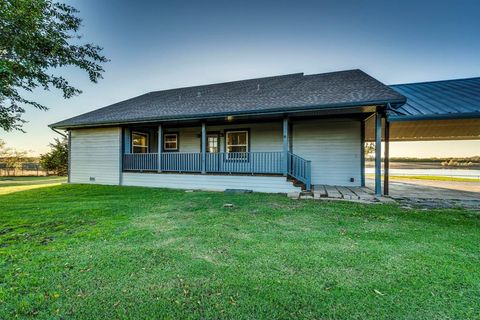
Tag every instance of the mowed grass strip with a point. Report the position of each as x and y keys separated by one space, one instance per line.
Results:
x=105 y=252
x=15 y=184
x=433 y=178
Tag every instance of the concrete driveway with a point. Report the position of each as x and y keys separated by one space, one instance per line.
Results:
x=430 y=189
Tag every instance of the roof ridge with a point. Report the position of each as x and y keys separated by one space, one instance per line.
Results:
x=230 y=82
x=434 y=81
x=333 y=72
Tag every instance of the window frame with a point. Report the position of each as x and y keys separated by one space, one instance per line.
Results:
x=145 y=134
x=227 y=132
x=177 y=136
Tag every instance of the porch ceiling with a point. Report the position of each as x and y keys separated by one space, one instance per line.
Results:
x=435 y=110
x=428 y=130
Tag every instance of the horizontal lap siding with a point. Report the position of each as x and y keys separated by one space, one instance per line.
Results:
x=333 y=146
x=95 y=153
x=189 y=139
x=209 y=182
x=263 y=136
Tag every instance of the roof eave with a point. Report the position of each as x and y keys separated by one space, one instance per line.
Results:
x=450 y=116
x=58 y=125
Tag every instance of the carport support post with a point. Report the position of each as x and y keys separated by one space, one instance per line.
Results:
x=362 y=153
x=285 y=146
x=386 y=158
x=378 y=154
x=204 y=148
x=160 y=147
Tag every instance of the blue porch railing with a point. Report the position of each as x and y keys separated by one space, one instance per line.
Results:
x=231 y=162
x=181 y=161
x=300 y=169
x=140 y=161
x=244 y=162
x=221 y=162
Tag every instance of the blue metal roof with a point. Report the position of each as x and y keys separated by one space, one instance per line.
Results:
x=449 y=99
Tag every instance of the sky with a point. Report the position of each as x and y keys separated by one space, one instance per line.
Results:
x=155 y=45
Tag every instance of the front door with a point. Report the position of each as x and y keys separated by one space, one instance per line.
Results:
x=212 y=143
x=213 y=147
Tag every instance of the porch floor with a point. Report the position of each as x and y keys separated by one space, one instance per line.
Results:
x=347 y=193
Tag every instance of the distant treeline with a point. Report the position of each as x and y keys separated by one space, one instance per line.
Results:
x=475 y=159
x=408 y=162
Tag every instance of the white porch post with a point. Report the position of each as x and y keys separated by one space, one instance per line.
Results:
x=285 y=146
x=204 y=148
x=378 y=154
x=160 y=147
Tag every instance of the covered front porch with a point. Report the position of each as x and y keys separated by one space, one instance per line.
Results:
x=263 y=148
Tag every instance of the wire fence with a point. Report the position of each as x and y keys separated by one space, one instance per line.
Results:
x=22 y=170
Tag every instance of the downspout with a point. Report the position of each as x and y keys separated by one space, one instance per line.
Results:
x=68 y=137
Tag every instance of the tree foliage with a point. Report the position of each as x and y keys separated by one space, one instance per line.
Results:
x=56 y=160
x=36 y=38
x=12 y=157
x=369 y=150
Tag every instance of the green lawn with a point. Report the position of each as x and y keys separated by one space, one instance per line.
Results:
x=434 y=178
x=15 y=184
x=437 y=178
x=100 y=252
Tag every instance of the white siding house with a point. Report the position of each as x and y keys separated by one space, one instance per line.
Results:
x=334 y=146
x=273 y=134
x=95 y=156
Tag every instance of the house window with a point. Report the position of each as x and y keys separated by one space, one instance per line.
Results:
x=170 y=142
x=139 y=142
x=237 y=141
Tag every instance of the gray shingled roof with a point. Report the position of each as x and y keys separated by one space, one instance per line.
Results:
x=280 y=93
x=438 y=100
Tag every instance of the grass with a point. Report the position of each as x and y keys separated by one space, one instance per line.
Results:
x=433 y=178
x=105 y=252
x=15 y=184
x=437 y=178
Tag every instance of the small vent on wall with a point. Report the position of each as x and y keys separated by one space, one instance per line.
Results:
x=92 y=178
x=352 y=179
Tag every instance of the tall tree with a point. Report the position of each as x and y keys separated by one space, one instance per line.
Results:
x=56 y=160
x=37 y=37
